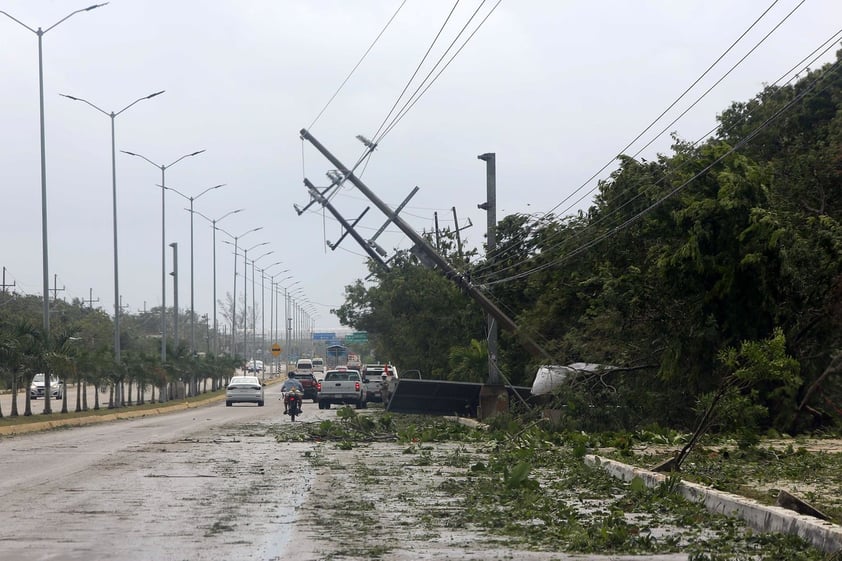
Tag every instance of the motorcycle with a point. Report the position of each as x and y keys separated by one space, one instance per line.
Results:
x=292 y=402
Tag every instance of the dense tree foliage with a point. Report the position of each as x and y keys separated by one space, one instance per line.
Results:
x=732 y=240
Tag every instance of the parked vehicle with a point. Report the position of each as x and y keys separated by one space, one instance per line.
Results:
x=342 y=386
x=311 y=391
x=391 y=383
x=36 y=388
x=244 y=389
x=292 y=402
x=376 y=376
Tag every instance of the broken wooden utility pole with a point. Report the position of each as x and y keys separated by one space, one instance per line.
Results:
x=422 y=247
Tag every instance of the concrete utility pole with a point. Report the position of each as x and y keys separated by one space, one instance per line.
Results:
x=429 y=253
x=174 y=274
x=314 y=192
x=490 y=207
x=55 y=290
x=4 y=286
x=90 y=301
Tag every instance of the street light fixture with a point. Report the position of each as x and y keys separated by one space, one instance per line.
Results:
x=113 y=115
x=192 y=300
x=163 y=169
x=44 y=252
x=213 y=225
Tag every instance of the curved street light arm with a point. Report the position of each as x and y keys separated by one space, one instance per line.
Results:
x=212 y=221
x=174 y=190
x=248 y=232
x=14 y=19
x=256 y=259
x=255 y=245
x=150 y=96
x=104 y=112
x=229 y=213
x=68 y=16
x=209 y=189
x=62 y=20
x=143 y=157
x=185 y=156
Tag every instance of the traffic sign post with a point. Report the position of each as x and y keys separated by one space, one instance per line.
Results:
x=276 y=349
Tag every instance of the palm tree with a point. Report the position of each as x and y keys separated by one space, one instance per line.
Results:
x=17 y=346
x=469 y=364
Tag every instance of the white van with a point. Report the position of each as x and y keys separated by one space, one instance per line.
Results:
x=318 y=364
x=304 y=365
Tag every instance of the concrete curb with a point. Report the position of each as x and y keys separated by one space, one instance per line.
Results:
x=58 y=422
x=823 y=535
x=95 y=419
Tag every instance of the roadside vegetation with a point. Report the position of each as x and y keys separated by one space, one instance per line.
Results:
x=684 y=277
x=79 y=351
x=524 y=482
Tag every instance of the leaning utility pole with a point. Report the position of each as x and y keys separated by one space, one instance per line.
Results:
x=428 y=253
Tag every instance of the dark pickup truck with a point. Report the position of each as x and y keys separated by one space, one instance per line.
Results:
x=308 y=380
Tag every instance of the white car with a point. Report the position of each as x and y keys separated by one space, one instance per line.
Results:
x=244 y=389
x=36 y=388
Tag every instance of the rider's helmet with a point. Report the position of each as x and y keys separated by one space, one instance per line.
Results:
x=290 y=373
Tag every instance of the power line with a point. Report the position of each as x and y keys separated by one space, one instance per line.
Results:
x=502 y=250
x=674 y=191
x=417 y=68
x=825 y=47
x=411 y=103
x=359 y=62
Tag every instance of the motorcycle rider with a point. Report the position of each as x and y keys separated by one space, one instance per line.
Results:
x=291 y=384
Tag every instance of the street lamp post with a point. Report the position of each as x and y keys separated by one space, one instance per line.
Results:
x=163 y=169
x=287 y=322
x=289 y=314
x=234 y=310
x=262 y=307
x=213 y=225
x=246 y=298
x=44 y=246
x=192 y=299
x=113 y=115
x=272 y=300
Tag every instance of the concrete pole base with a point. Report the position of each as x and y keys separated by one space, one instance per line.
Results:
x=493 y=400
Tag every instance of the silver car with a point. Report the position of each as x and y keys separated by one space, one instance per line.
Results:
x=36 y=389
x=244 y=389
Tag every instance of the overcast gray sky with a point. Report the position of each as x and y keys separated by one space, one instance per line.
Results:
x=555 y=88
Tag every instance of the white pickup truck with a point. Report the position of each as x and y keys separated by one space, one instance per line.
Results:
x=342 y=386
x=375 y=377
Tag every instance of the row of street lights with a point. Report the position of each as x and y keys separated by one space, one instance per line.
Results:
x=44 y=245
x=39 y=32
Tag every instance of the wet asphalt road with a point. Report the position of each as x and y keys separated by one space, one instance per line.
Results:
x=201 y=484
